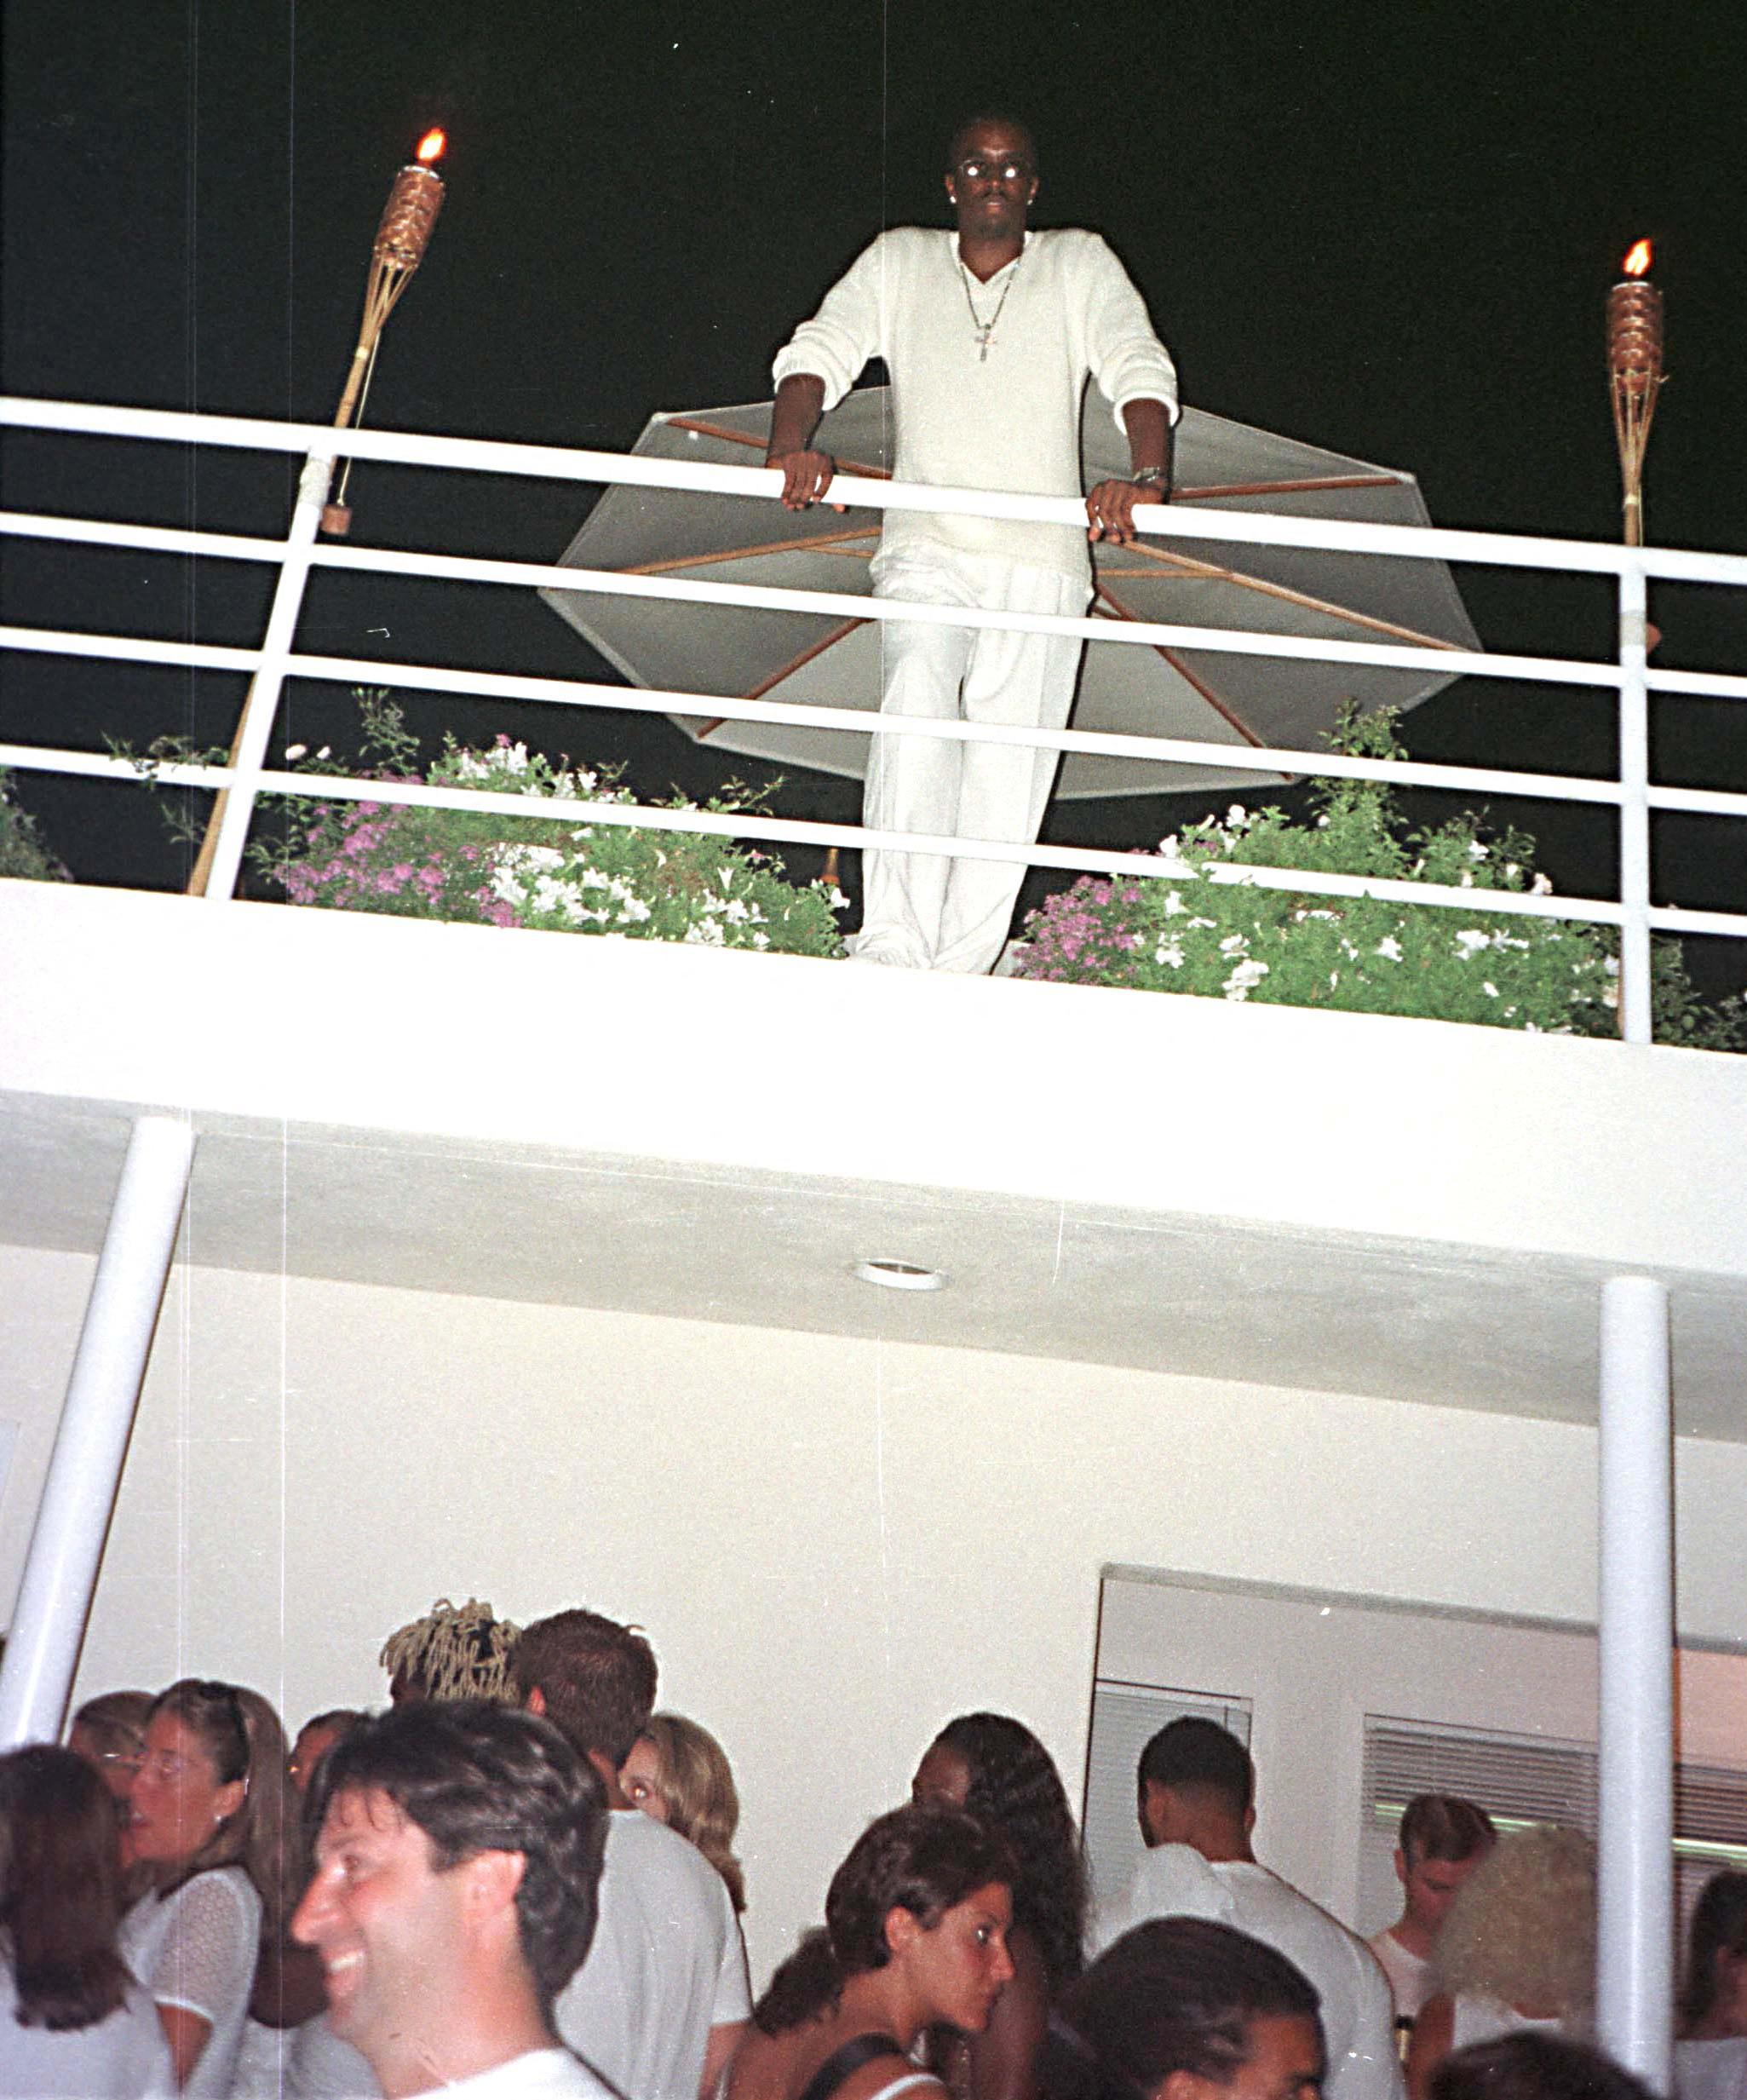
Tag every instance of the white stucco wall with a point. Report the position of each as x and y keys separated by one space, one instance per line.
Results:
x=834 y=1544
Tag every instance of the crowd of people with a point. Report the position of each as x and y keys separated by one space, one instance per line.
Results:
x=520 y=1879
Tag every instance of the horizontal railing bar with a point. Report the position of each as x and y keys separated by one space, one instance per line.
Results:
x=849 y=605
x=1671 y=918
x=1718 y=685
x=1186 y=521
x=237 y=547
x=785 y=830
x=148 y=539
x=1091 y=743
x=840 y=605
x=1710 y=802
x=643 y=700
x=128 y=649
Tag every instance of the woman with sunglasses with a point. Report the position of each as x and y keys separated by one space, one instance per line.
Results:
x=210 y=1833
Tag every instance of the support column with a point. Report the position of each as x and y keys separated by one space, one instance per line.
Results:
x=84 y=1472
x=1635 y=1952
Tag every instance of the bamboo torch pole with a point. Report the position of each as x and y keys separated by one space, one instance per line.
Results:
x=402 y=235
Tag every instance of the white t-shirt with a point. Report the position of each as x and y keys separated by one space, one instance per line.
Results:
x=197 y=1948
x=541 y=2074
x=123 y=2058
x=1411 y=1978
x=1358 y=2015
x=1010 y=421
x=1711 y=2070
x=667 y=1964
x=306 y=2063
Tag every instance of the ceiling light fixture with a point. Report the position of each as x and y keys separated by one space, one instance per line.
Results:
x=895 y=1275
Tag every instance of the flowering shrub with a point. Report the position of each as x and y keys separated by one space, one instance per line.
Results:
x=640 y=885
x=1233 y=940
x=23 y=856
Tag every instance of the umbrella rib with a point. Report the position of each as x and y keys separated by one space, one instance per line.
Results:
x=1183 y=670
x=1287 y=489
x=802 y=546
x=788 y=670
x=739 y=437
x=1187 y=565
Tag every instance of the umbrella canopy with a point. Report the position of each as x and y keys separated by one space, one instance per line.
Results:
x=823 y=660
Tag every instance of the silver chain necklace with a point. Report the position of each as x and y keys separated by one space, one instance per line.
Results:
x=985 y=330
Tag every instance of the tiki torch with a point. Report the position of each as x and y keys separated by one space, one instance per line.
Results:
x=1634 y=376
x=402 y=236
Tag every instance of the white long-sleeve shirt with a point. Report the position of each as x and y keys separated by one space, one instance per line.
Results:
x=1010 y=421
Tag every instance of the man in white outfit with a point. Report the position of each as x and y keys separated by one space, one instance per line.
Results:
x=663 y=2000
x=456 y=1865
x=1197 y=1792
x=990 y=334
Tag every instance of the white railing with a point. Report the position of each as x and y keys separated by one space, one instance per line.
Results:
x=248 y=776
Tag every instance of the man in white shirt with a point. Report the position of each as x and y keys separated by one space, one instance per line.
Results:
x=663 y=2000
x=456 y=1860
x=1197 y=1806
x=990 y=334
x=1443 y=1838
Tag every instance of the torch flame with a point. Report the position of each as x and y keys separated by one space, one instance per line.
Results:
x=430 y=148
x=1637 y=262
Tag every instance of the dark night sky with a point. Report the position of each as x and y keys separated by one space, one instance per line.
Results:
x=1385 y=226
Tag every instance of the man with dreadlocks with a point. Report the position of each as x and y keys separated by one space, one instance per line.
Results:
x=454 y=1652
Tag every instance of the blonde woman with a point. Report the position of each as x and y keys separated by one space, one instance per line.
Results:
x=1517 y=1951
x=678 y=1773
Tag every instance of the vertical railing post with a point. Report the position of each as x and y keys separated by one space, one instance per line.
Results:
x=220 y=856
x=84 y=1471
x=1634 y=1949
x=1635 y=978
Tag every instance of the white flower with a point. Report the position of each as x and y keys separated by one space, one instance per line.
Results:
x=1542 y=886
x=1238 y=818
x=761 y=941
x=635 y=910
x=512 y=757
x=1512 y=869
x=838 y=900
x=1389 y=948
x=1476 y=851
x=296 y=750
x=1206 y=924
x=1234 y=944
x=1322 y=824
x=1470 y=940
x=738 y=911
x=1468 y=880
x=1246 y=976
x=704 y=933
x=1333 y=978
x=1169 y=847
x=326 y=752
x=1170 y=953
x=1489 y=989
x=1173 y=904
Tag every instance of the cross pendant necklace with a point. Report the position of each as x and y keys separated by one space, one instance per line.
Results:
x=983 y=334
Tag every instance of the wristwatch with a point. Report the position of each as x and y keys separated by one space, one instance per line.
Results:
x=1152 y=477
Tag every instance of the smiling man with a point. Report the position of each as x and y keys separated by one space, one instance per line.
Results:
x=456 y=1862
x=989 y=331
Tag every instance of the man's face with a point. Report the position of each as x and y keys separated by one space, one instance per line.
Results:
x=1429 y=1886
x=390 y=1929
x=993 y=182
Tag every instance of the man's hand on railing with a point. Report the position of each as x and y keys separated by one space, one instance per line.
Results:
x=806 y=477
x=1110 y=508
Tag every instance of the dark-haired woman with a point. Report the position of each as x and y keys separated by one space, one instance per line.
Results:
x=916 y=1920
x=1710 y=2058
x=995 y=1768
x=72 y=2020
x=210 y=1829
x=1184 y=2008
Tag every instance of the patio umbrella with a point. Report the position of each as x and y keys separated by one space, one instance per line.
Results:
x=826 y=661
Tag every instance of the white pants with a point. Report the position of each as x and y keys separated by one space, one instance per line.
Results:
x=936 y=910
